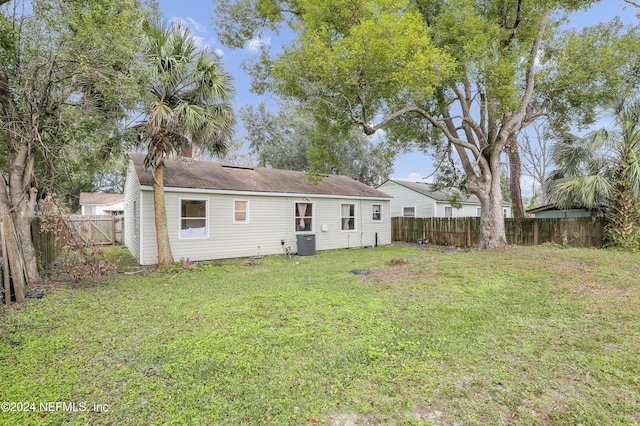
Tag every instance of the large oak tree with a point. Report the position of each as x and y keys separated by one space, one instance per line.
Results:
x=458 y=75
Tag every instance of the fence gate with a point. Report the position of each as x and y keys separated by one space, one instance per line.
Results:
x=100 y=230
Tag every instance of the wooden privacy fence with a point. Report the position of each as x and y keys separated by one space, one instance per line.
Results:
x=465 y=231
x=100 y=230
x=14 y=280
x=47 y=246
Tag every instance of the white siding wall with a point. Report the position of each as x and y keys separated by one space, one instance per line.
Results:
x=271 y=220
x=405 y=197
x=466 y=210
x=131 y=194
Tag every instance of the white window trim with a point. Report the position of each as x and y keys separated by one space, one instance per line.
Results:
x=445 y=211
x=313 y=218
x=355 y=217
x=247 y=212
x=381 y=215
x=505 y=212
x=409 y=207
x=478 y=211
x=206 y=201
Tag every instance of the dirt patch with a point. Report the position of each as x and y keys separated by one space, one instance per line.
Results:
x=250 y=262
x=403 y=270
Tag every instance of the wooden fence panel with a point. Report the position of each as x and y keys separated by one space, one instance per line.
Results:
x=465 y=231
x=100 y=229
x=45 y=243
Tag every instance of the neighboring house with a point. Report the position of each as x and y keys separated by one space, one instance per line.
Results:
x=101 y=204
x=217 y=211
x=418 y=199
x=551 y=211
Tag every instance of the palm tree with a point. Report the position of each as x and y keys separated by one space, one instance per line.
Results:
x=189 y=104
x=603 y=169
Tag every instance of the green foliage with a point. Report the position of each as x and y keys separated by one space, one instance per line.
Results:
x=602 y=170
x=72 y=72
x=460 y=73
x=304 y=341
x=589 y=69
x=190 y=95
x=293 y=139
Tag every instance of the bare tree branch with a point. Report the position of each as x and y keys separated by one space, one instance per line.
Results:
x=632 y=3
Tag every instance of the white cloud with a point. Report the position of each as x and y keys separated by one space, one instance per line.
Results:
x=412 y=177
x=197 y=26
x=194 y=25
x=255 y=44
x=219 y=52
x=200 y=41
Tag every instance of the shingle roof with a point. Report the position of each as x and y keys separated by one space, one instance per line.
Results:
x=439 y=195
x=427 y=189
x=96 y=199
x=216 y=176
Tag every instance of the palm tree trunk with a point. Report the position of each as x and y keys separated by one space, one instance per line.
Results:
x=165 y=257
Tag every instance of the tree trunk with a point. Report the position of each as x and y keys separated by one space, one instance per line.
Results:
x=19 y=198
x=489 y=191
x=492 y=230
x=165 y=257
x=23 y=219
x=514 y=176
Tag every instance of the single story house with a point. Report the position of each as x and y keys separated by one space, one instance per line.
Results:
x=419 y=199
x=551 y=211
x=94 y=203
x=217 y=211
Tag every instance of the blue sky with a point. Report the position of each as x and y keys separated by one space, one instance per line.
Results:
x=412 y=166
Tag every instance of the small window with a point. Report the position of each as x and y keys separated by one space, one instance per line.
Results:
x=448 y=211
x=505 y=212
x=193 y=218
x=377 y=212
x=304 y=217
x=348 y=216
x=478 y=211
x=240 y=211
x=409 y=211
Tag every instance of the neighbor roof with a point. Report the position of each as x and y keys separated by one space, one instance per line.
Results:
x=96 y=199
x=216 y=176
x=443 y=195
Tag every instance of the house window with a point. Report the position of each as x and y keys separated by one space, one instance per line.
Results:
x=348 y=216
x=193 y=218
x=505 y=212
x=304 y=217
x=240 y=211
x=448 y=211
x=409 y=211
x=377 y=212
x=478 y=211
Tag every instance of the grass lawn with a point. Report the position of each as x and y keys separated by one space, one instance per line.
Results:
x=527 y=335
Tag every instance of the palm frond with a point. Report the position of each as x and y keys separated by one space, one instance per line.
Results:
x=191 y=94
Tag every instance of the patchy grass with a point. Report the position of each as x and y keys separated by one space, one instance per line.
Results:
x=520 y=336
